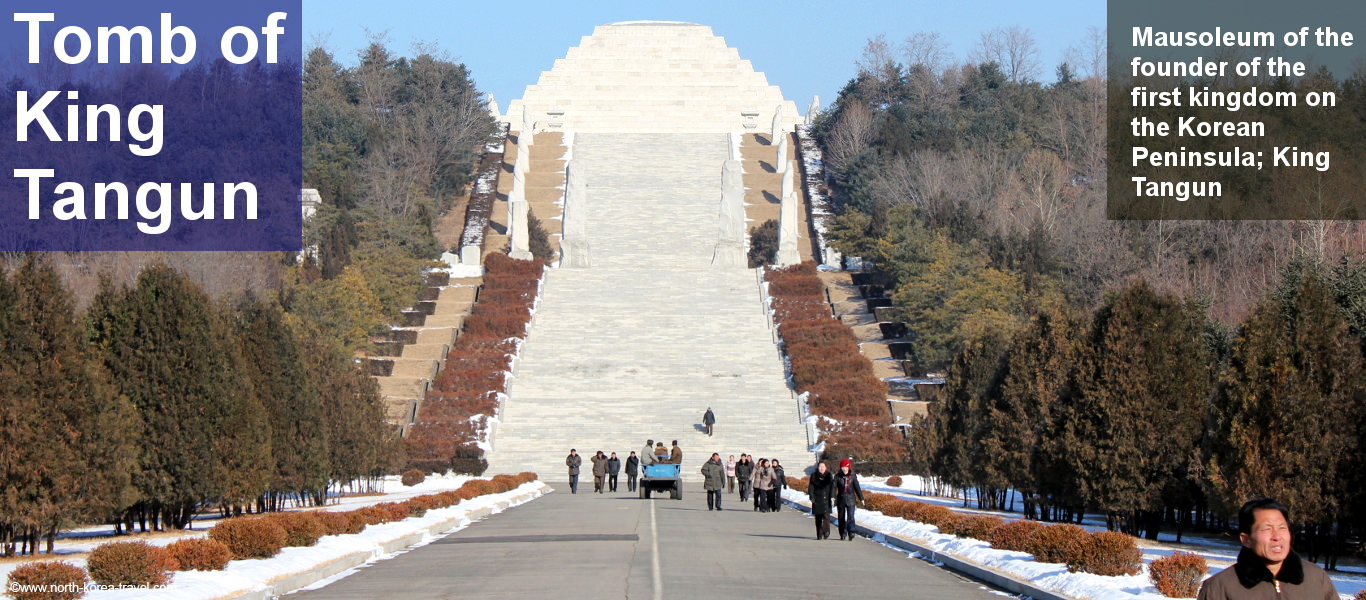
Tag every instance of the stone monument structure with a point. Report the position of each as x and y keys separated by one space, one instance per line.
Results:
x=664 y=319
x=787 y=221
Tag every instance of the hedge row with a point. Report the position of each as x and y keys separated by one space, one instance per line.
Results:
x=454 y=415
x=825 y=363
x=1101 y=553
x=138 y=563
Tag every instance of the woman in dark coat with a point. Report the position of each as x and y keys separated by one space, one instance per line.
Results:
x=775 y=495
x=820 y=489
x=847 y=492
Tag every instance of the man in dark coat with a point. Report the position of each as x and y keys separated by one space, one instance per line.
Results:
x=632 y=471
x=1267 y=569
x=743 y=471
x=847 y=493
x=709 y=419
x=820 y=489
x=599 y=470
x=714 y=480
x=613 y=467
x=573 y=461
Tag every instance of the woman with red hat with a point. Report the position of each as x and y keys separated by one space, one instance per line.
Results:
x=847 y=492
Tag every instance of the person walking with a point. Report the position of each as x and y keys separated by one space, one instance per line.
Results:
x=599 y=470
x=775 y=495
x=709 y=420
x=713 y=480
x=1266 y=565
x=763 y=482
x=648 y=454
x=632 y=471
x=744 y=470
x=730 y=475
x=613 y=467
x=847 y=491
x=820 y=488
x=573 y=461
x=676 y=455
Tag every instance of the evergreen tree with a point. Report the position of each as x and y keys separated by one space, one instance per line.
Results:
x=1281 y=426
x=67 y=451
x=1142 y=391
x=172 y=354
x=275 y=365
x=973 y=384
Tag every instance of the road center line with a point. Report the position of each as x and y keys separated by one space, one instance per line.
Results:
x=654 y=556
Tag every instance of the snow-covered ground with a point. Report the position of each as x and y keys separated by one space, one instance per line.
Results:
x=1051 y=576
x=247 y=575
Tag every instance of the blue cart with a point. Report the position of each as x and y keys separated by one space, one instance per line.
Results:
x=660 y=477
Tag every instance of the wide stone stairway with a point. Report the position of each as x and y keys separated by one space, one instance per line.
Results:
x=641 y=342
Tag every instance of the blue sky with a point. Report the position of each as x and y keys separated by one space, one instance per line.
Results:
x=805 y=47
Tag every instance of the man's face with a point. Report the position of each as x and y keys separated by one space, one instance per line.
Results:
x=1270 y=536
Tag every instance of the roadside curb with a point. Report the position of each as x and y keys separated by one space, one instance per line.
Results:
x=292 y=582
x=984 y=573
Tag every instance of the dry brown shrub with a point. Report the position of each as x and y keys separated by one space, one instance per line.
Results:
x=130 y=563
x=340 y=523
x=301 y=529
x=250 y=537
x=1012 y=535
x=54 y=580
x=200 y=554
x=412 y=477
x=1179 y=575
x=894 y=481
x=1108 y=553
x=1056 y=543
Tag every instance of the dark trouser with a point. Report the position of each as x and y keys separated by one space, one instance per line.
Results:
x=730 y=484
x=744 y=490
x=631 y=482
x=846 y=519
x=612 y=482
x=822 y=525
x=761 y=500
x=709 y=429
x=775 y=499
x=573 y=484
x=597 y=483
x=713 y=499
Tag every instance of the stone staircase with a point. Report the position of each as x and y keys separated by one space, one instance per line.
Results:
x=416 y=351
x=640 y=343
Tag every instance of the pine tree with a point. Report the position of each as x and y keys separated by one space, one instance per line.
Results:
x=972 y=384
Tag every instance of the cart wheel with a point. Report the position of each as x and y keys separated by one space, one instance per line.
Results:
x=644 y=493
x=677 y=492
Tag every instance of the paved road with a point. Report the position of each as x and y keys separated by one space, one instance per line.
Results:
x=617 y=546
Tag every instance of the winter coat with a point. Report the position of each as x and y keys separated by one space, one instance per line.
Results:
x=847 y=488
x=614 y=465
x=744 y=470
x=573 y=461
x=676 y=456
x=713 y=476
x=708 y=418
x=661 y=451
x=821 y=488
x=1249 y=579
x=779 y=479
x=599 y=466
x=763 y=478
x=648 y=454
x=730 y=468
x=632 y=465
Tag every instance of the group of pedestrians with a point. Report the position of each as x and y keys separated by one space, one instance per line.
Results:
x=761 y=481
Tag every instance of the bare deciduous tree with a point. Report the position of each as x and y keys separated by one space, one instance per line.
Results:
x=926 y=49
x=1012 y=48
x=852 y=134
